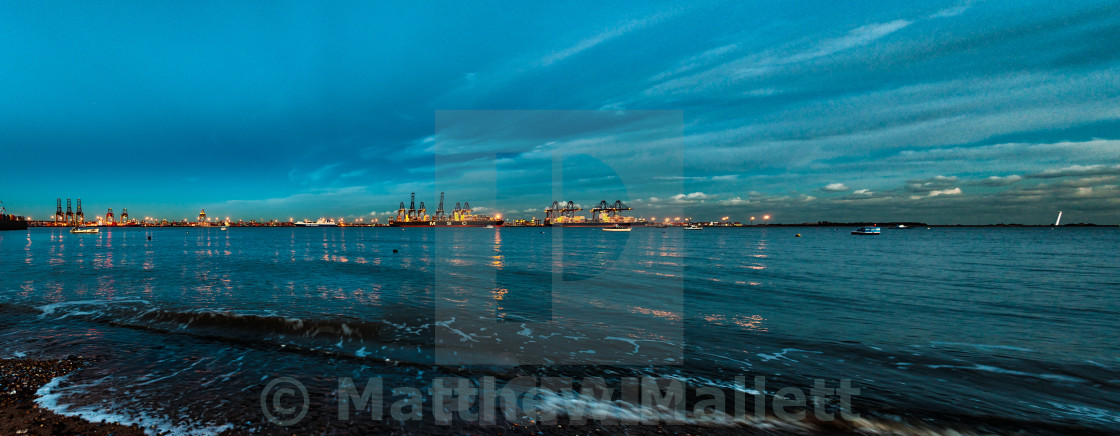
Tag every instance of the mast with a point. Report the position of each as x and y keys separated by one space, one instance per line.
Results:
x=1059 y=220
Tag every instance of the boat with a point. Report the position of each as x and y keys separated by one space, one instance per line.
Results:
x=693 y=227
x=489 y=226
x=79 y=230
x=411 y=223
x=11 y=222
x=872 y=230
x=1058 y=221
x=902 y=227
x=321 y=222
x=617 y=228
x=223 y=228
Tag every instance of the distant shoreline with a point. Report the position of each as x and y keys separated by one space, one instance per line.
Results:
x=885 y=225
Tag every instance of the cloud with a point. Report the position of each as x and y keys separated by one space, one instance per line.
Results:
x=737 y=201
x=682 y=199
x=857 y=37
x=835 y=187
x=600 y=38
x=999 y=181
x=931 y=184
x=765 y=63
x=863 y=192
x=950 y=12
x=1078 y=170
x=954 y=191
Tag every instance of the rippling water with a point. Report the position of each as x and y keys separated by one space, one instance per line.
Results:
x=944 y=329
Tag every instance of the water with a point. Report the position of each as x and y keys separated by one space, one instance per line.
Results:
x=969 y=329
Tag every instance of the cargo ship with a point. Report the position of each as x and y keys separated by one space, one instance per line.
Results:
x=461 y=216
x=11 y=222
x=602 y=215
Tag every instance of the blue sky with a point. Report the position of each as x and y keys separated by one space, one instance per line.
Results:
x=945 y=112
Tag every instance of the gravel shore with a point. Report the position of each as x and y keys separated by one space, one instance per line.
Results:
x=19 y=415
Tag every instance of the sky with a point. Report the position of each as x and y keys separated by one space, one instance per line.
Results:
x=941 y=112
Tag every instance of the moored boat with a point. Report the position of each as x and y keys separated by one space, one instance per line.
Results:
x=80 y=230
x=867 y=230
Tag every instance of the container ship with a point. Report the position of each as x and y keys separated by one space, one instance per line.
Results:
x=461 y=216
x=602 y=215
x=11 y=222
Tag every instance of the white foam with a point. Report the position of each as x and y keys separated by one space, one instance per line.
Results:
x=998 y=370
x=629 y=341
x=1091 y=413
x=49 y=309
x=596 y=408
x=48 y=399
x=983 y=346
x=447 y=325
x=782 y=354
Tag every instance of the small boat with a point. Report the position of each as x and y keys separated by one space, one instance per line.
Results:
x=693 y=227
x=616 y=228
x=902 y=227
x=85 y=230
x=223 y=228
x=867 y=231
x=489 y=226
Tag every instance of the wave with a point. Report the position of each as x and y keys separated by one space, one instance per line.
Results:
x=50 y=397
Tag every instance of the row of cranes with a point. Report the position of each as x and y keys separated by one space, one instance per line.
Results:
x=461 y=213
x=74 y=218
x=560 y=213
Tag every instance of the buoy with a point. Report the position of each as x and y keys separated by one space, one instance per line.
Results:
x=149 y=238
x=798 y=235
x=394 y=250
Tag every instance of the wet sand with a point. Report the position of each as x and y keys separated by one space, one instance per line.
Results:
x=19 y=415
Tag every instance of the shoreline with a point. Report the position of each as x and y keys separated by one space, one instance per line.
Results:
x=21 y=378
x=887 y=225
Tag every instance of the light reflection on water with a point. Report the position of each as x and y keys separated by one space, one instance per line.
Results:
x=747 y=292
